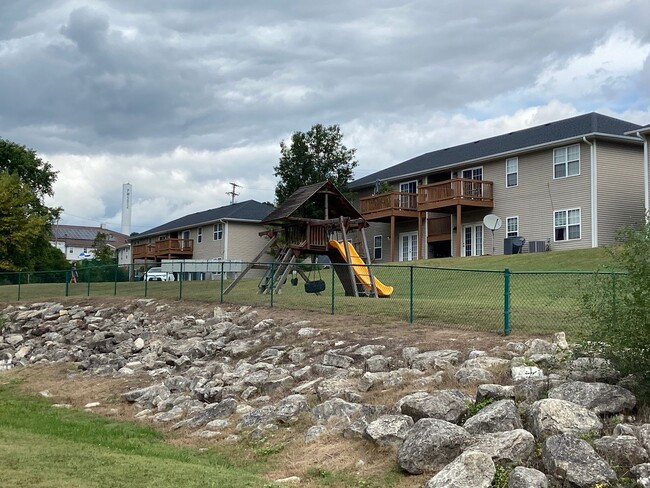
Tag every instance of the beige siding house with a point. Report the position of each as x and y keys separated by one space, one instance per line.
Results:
x=229 y=233
x=569 y=184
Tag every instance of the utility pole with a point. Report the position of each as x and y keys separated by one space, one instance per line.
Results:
x=232 y=192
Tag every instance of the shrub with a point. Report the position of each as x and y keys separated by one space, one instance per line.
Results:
x=618 y=305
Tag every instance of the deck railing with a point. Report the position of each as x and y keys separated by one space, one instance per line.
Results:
x=383 y=202
x=455 y=191
x=178 y=247
x=439 y=228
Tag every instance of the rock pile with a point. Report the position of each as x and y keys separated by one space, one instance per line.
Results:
x=552 y=418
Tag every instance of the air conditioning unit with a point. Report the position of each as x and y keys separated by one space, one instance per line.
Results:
x=513 y=245
x=536 y=246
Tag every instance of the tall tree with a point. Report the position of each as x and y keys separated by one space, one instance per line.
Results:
x=23 y=226
x=26 y=221
x=104 y=254
x=314 y=156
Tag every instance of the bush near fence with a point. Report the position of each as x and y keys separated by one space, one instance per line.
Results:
x=498 y=301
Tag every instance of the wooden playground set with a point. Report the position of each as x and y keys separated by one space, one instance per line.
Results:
x=316 y=220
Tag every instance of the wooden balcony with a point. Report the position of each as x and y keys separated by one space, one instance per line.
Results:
x=167 y=249
x=438 y=229
x=458 y=191
x=385 y=205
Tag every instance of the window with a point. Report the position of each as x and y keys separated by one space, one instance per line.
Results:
x=199 y=234
x=512 y=172
x=566 y=161
x=378 y=247
x=217 y=234
x=566 y=224
x=512 y=226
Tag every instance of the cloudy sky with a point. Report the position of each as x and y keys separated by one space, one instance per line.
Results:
x=181 y=98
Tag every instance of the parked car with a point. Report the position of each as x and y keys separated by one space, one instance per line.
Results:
x=157 y=274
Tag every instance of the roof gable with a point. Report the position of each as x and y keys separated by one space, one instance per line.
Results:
x=582 y=125
x=337 y=204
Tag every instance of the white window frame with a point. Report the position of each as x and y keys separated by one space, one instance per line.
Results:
x=566 y=225
x=413 y=252
x=476 y=242
x=199 y=235
x=561 y=159
x=511 y=233
x=217 y=231
x=512 y=172
x=379 y=248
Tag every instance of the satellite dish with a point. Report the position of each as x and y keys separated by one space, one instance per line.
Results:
x=492 y=222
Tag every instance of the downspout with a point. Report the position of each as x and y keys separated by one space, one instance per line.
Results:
x=646 y=184
x=594 y=191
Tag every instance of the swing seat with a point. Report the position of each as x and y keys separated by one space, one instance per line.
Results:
x=315 y=286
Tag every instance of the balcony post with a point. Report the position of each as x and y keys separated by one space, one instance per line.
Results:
x=392 y=238
x=459 y=230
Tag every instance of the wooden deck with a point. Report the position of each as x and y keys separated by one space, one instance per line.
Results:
x=458 y=191
x=392 y=204
x=165 y=249
x=442 y=196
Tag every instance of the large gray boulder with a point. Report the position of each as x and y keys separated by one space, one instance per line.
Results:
x=497 y=417
x=495 y=392
x=623 y=450
x=550 y=416
x=506 y=448
x=336 y=408
x=522 y=477
x=641 y=473
x=389 y=430
x=289 y=409
x=573 y=462
x=449 y=405
x=592 y=369
x=435 y=360
x=430 y=445
x=602 y=398
x=470 y=469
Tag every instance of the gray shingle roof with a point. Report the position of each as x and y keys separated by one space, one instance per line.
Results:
x=85 y=234
x=582 y=125
x=248 y=210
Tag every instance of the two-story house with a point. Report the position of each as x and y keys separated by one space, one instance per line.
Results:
x=77 y=241
x=225 y=233
x=563 y=185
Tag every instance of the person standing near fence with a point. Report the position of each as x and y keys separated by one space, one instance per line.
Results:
x=73 y=273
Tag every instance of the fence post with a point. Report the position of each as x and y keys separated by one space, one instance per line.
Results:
x=67 y=283
x=411 y=295
x=19 y=280
x=146 y=281
x=180 y=282
x=272 y=280
x=614 y=314
x=506 y=301
x=87 y=280
x=115 y=280
x=221 y=293
x=332 y=286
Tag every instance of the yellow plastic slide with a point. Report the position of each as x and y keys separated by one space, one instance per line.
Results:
x=360 y=269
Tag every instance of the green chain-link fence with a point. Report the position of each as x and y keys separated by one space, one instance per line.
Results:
x=499 y=301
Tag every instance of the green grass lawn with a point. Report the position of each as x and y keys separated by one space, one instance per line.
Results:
x=42 y=446
x=546 y=290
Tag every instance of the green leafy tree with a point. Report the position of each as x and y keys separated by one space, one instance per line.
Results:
x=618 y=305
x=104 y=254
x=26 y=221
x=314 y=156
x=23 y=226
